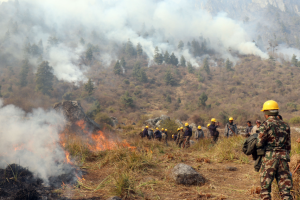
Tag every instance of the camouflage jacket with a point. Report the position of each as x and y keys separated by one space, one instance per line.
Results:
x=274 y=135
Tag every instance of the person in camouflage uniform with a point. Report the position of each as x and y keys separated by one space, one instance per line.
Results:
x=274 y=135
x=181 y=138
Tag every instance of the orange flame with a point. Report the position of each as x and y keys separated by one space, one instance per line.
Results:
x=100 y=141
x=19 y=147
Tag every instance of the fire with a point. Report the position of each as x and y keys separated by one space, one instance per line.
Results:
x=19 y=147
x=100 y=141
x=67 y=159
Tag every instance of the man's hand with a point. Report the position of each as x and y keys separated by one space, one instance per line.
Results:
x=298 y=140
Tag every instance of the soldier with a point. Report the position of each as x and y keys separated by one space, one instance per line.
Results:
x=150 y=133
x=157 y=134
x=199 y=133
x=145 y=132
x=165 y=137
x=230 y=128
x=249 y=128
x=141 y=133
x=274 y=135
x=175 y=136
x=181 y=138
x=187 y=134
x=213 y=130
x=208 y=133
x=255 y=128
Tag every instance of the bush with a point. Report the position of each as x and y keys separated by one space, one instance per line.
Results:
x=182 y=116
x=103 y=118
x=197 y=119
x=124 y=186
x=295 y=121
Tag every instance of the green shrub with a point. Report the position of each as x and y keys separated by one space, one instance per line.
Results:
x=103 y=118
x=295 y=120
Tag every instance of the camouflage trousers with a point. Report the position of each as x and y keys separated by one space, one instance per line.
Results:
x=274 y=166
x=187 y=142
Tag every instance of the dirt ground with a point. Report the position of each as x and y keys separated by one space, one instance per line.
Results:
x=155 y=183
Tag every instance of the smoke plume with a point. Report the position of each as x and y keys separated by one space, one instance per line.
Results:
x=109 y=24
x=32 y=140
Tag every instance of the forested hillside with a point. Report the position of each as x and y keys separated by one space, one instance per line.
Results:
x=150 y=70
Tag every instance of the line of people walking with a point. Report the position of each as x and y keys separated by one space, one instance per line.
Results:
x=269 y=141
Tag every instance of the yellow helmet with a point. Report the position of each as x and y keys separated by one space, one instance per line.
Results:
x=142 y=129
x=213 y=120
x=181 y=128
x=178 y=129
x=162 y=129
x=172 y=136
x=270 y=105
x=199 y=127
x=230 y=119
x=152 y=129
x=208 y=125
x=186 y=124
x=166 y=129
x=157 y=128
x=147 y=126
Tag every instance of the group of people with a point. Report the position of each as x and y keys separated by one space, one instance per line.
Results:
x=273 y=136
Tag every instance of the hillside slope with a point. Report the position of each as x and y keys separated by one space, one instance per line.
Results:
x=239 y=92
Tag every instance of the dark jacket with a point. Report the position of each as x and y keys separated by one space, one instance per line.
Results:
x=213 y=130
x=166 y=132
x=188 y=131
x=250 y=148
x=145 y=133
x=157 y=134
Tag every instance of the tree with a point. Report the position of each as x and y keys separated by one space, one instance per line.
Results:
x=294 y=60
x=82 y=42
x=136 y=69
x=44 y=78
x=158 y=58
x=123 y=63
x=139 y=49
x=142 y=76
x=202 y=99
x=52 y=41
x=94 y=110
x=196 y=48
x=228 y=65
x=139 y=73
x=89 y=54
x=167 y=58
x=178 y=100
x=89 y=87
x=169 y=100
x=127 y=100
x=200 y=77
x=24 y=73
x=180 y=45
x=206 y=66
x=169 y=78
x=129 y=50
x=173 y=59
x=117 y=68
x=182 y=61
x=190 y=68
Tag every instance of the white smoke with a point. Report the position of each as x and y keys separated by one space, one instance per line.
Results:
x=32 y=140
x=113 y=22
x=63 y=60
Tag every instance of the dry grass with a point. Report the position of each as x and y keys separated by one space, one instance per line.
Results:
x=143 y=173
